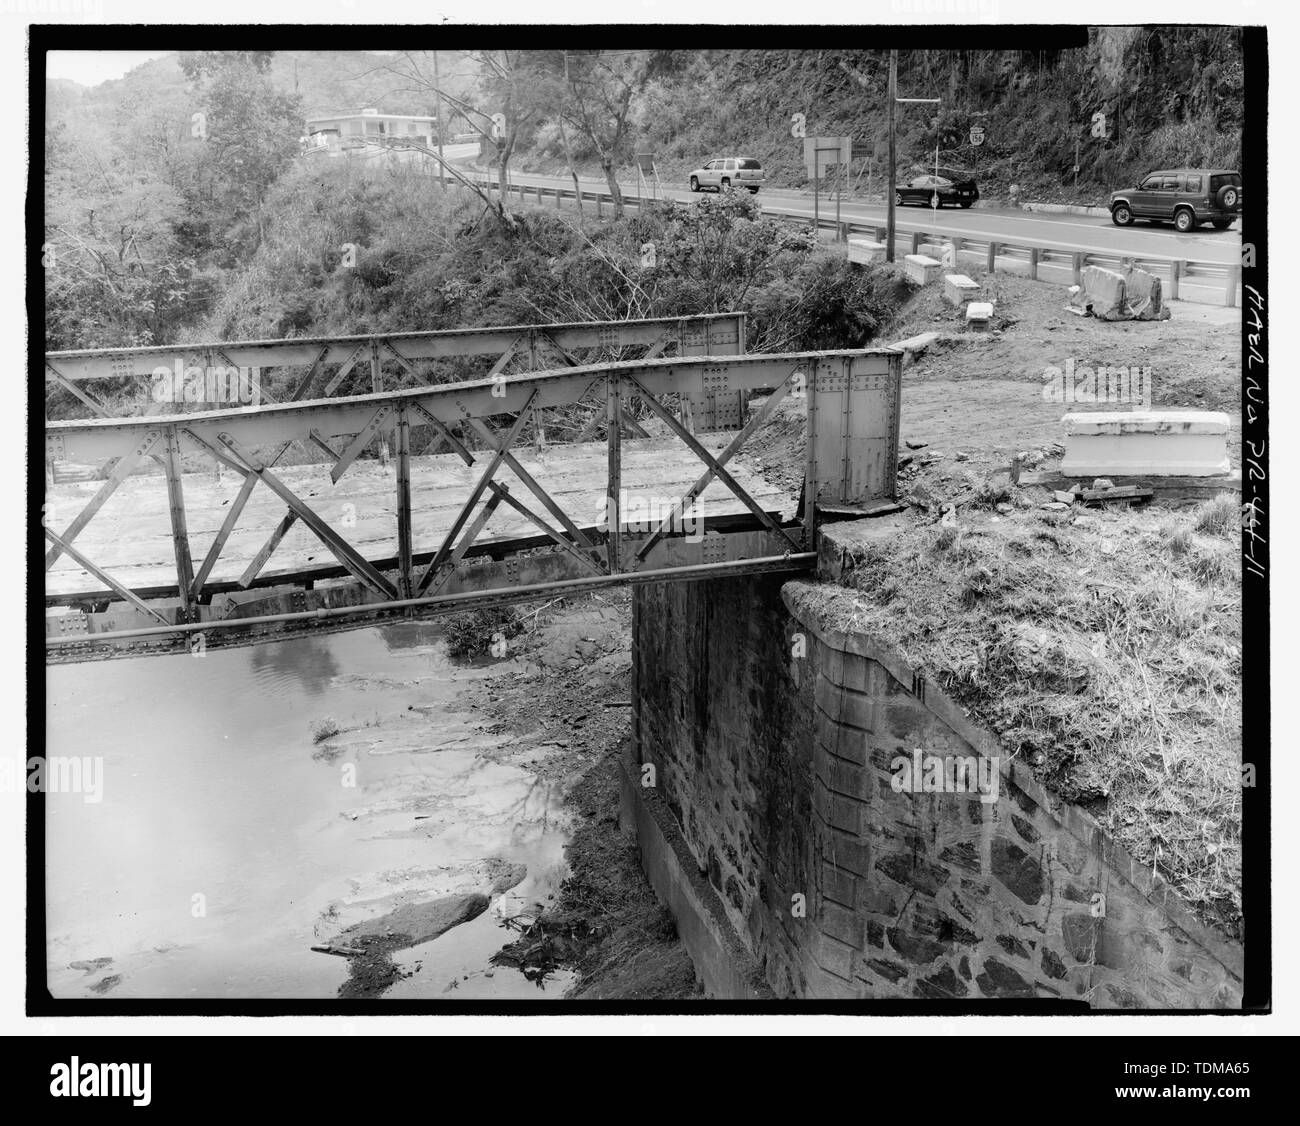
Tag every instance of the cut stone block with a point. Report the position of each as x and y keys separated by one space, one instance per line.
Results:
x=958 y=289
x=1150 y=443
x=912 y=347
x=979 y=314
x=864 y=251
x=921 y=269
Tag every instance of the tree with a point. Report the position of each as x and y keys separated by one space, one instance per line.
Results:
x=599 y=89
x=498 y=96
x=251 y=128
x=116 y=273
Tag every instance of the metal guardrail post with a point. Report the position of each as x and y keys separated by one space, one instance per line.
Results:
x=1076 y=262
x=1234 y=280
x=916 y=242
x=991 y=264
x=1033 y=263
x=1176 y=268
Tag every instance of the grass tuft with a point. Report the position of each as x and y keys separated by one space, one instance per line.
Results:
x=1219 y=516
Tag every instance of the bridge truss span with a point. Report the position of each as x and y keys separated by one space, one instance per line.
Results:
x=325 y=367
x=146 y=559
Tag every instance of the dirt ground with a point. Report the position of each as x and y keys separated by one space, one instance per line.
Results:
x=1102 y=644
x=972 y=401
x=984 y=393
x=570 y=699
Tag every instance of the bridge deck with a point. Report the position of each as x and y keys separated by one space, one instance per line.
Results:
x=131 y=536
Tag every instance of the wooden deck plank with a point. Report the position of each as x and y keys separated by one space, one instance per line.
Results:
x=130 y=536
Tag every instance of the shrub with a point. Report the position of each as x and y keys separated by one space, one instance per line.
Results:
x=471 y=633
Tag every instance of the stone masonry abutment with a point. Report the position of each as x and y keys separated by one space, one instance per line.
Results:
x=760 y=780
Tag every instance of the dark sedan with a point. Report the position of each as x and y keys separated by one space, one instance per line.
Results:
x=926 y=189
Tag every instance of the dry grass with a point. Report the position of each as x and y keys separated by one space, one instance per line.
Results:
x=1107 y=654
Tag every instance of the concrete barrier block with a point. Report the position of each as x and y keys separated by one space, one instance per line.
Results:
x=1145 y=296
x=1146 y=443
x=864 y=251
x=958 y=289
x=921 y=269
x=1103 y=292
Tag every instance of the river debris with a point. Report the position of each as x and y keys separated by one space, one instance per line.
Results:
x=546 y=943
x=341 y=951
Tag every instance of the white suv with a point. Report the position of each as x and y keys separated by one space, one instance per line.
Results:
x=728 y=172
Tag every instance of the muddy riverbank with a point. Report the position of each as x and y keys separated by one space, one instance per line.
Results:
x=568 y=697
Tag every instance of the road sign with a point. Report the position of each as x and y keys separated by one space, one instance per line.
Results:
x=820 y=153
x=646 y=173
x=977 y=134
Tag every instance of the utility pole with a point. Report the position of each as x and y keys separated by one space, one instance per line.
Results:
x=437 y=119
x=891 y=187
x=893 y=101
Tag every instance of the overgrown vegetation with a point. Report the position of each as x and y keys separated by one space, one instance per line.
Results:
x=344 y=252
x=174 y=195
x=1170 y=96
x=474 y=632
x=1106 y=654
x=431 y=259
x=607 y=923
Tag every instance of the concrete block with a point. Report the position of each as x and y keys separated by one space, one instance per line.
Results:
x=864 y=251
x=848 y=778
x=979 y=315
x=913 y=346
x=1144 y=296
x=958 y=289
x=1147 y=443
x=1119 y=295
x=846 y=814
x=823 y=985
x=839 y=885
x=921 y=269
x=845 y=926
x=1103 y=292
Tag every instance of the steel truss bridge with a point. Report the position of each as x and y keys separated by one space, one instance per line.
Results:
x=179 y=563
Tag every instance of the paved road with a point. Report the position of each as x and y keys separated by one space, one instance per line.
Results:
x=1068 y=232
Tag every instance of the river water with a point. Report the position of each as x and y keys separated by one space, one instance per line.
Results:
x=228 y=840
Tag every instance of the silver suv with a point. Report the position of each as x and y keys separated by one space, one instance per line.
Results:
x=727 y=172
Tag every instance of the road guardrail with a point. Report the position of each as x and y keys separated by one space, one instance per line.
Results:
x=1179 y=276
